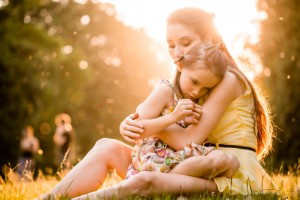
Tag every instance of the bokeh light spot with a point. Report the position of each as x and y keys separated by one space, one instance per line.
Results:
x=40 y=152
x=100 y=40
x=110 y=100
x=45 y=128
x=83 y=64
x=85 y=20
x=27 y=19
x=67 y=49
x=267 y=72
x=113 y=61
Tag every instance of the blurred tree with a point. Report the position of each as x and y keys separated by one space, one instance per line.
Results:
x=279 y=50
x=25 y=50
x=75 y=58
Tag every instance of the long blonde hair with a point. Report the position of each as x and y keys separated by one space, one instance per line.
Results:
x=202 y=23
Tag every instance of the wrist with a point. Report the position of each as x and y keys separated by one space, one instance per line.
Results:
x=174 y=118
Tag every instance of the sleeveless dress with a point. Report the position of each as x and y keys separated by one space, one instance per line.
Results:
x=237 y=127
x=152 y=154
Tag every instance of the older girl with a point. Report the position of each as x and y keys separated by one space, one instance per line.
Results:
x=235 y=118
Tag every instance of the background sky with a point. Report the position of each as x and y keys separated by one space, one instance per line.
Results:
x=236 y=20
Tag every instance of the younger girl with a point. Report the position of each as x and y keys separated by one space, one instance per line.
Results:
x=197 y=72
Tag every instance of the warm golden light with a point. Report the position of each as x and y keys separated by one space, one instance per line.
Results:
x=236 y=20
x=232 y=17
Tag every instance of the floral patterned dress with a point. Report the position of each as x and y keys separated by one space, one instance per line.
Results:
x=152 y=154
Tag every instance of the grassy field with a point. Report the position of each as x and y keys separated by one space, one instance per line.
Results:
x=12 y=188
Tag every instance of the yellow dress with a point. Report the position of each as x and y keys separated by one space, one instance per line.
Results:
x=237 y=127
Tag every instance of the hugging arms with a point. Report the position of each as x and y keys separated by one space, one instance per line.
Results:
x=215 y=163
x=232 y=115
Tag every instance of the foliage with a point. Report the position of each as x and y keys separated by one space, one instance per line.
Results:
x=279 y=50
x=62 y=56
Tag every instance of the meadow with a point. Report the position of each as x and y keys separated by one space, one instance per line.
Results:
x=14 y=188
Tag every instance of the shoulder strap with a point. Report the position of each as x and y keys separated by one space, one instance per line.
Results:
x=167 y=82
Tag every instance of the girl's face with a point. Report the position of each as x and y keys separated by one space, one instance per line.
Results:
x=195 y=83
x=180 y=39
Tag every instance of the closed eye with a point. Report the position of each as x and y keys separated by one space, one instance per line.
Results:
x=208 y=89
x=170 y=44
x=195 y=82
x=186 y=43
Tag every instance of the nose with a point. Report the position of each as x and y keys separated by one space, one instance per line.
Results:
x=196 y=92
x=178 y=52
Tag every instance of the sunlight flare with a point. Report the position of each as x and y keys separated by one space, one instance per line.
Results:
x=237 y=21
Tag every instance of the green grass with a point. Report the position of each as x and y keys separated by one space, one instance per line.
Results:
x=12 y=188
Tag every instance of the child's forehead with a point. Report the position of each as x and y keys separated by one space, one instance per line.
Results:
x=198 y=65
x=205 y=76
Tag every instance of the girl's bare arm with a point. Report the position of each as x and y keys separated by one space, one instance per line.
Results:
x=151 y=109
x=222 y=95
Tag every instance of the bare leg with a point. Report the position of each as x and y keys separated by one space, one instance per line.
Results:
x=150 y=183
x=216 y=163
x=90 y=173
x=234 y=165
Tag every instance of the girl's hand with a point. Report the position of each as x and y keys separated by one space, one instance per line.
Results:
x=184 y=108
x=130 y=129
x=194 y=117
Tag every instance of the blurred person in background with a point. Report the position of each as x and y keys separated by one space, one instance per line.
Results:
x=29 y=146
x=63 y=140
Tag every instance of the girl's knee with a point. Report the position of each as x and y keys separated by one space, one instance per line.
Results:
x=104 y=141
x=234 y=163
x=226 y=164
x=108 y=145
x=146 y=179
x=104 y=146
x=219 y=159
x=142 y=183
x=113 y=153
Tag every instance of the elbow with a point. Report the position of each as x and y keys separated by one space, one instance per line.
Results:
x=194 y=136
x=147 y=133
x=149 y=129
